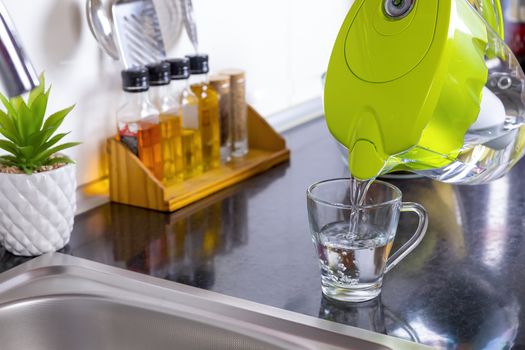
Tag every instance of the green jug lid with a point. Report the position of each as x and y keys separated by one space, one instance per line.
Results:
x=395 y=87
x=379 y=48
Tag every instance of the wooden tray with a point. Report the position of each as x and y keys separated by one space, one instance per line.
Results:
x=132 y=183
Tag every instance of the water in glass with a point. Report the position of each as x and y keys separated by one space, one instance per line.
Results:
x=352 y=262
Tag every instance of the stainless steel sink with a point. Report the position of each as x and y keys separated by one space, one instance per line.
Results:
x=58 y=301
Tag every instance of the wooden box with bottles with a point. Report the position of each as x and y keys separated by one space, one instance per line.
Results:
x=133 y=184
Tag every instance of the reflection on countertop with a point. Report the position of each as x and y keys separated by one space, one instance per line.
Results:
x=180 y=249
x=462 y=288
x=371 y=315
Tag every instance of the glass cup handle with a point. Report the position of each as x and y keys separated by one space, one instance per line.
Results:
x=416 y=238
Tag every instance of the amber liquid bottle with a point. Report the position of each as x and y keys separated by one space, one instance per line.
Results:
x=209 y=121
x=189 y=106
x=138 y=121
x=170 y=122
x=213 y=233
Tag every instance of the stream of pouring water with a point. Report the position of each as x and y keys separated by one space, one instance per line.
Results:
x=352 y=251
x=358 y=191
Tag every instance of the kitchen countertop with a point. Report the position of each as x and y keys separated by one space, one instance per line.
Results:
x=463 y=287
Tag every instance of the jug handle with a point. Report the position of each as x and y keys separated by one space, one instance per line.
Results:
x=495 y=5
x=501 y=24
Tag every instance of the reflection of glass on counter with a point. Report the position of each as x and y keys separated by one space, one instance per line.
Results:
x=133 y=229
x=180 y=269
x=195 y=234
x=228 y=215
x=212 y=233
x=178 y=234
x=234 y=226
x=181 y=246
x=240 y=218
x=204 y=274
x=371 y=315
x=176 y=240
x=367 y=315
x=155 y=257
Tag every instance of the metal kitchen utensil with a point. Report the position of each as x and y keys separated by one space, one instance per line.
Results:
x=100 y=22
x=137 y=29
x=189 y=23
x=101 y=27
x=16 y=71
x=171 y=21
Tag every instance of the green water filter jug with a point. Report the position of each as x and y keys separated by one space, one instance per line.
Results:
x=427 y=86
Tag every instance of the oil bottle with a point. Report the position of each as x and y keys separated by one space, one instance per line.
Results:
x=208 y=111
x=170 y=121
x=138 y=121
x=189 y=106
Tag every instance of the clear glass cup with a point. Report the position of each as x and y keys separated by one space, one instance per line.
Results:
x=353 y=261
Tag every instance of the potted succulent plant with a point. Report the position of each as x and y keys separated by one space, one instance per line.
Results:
x=37 y=183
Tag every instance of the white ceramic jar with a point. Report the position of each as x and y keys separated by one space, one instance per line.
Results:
x=37 y=211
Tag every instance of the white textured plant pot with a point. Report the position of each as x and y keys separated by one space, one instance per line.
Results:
x=37 y=211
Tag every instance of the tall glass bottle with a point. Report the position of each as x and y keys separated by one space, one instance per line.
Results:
x=189 y=105
x=238 y=112
x=208 y=111
x=170 y=121
x=138 y=121
x=221 y=84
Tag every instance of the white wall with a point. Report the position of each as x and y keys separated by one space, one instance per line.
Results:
x=284 y=46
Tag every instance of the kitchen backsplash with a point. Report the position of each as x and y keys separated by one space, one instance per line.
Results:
x=283 y=45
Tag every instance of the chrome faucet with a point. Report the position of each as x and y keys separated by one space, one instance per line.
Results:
x=16 y=71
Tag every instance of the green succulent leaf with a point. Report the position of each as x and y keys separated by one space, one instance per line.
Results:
x=26 y=151
x=28 y=170
x=52 y=141
x=16 y=102
x=38 y=107
x=58 y=160
x=9 y=160
x=8 y=135
x=48 y=153
x=25 y=122
x=30 y=137
x=10 y=147
x=8 y=128
x=10 y=109
x=56 y=119
x=38 y=91
x=40 y=138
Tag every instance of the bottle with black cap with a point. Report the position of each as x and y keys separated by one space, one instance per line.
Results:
x=189 y=106
x=138 y=121
x=208 y=111
x=170 y=121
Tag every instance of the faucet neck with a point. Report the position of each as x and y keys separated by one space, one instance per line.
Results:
x=16 y=71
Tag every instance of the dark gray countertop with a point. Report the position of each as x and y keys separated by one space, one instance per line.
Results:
x=462 y=288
